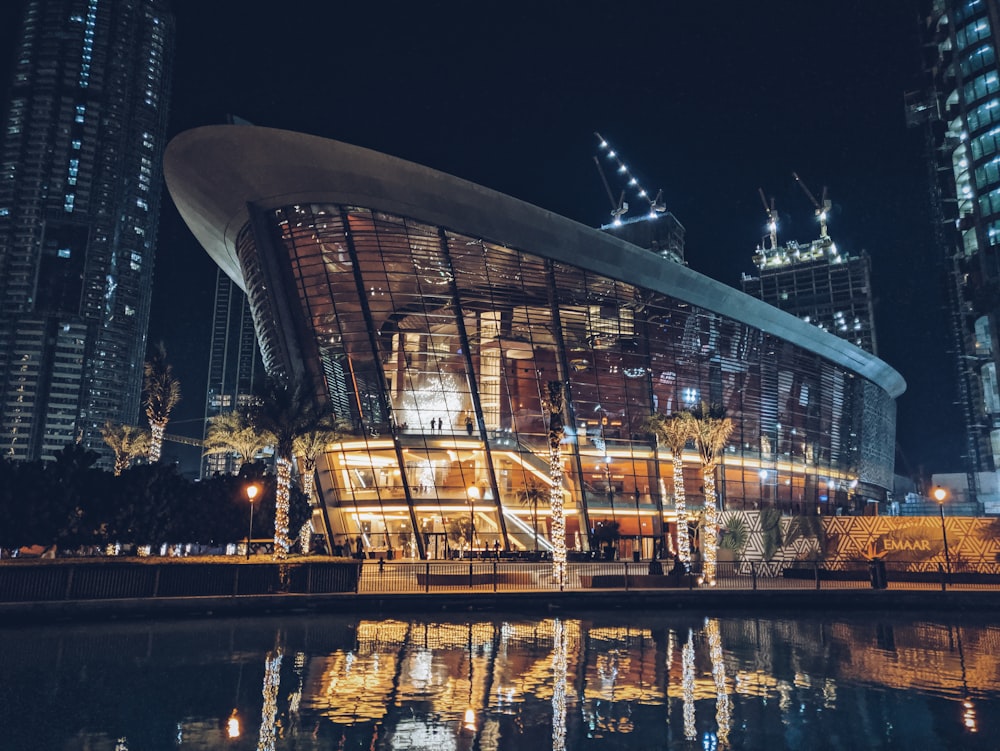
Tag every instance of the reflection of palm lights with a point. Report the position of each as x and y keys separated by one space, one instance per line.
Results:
x=687 y=683
x=969 y=716
x=559 y=649
x=269 y=710
x=723 y=707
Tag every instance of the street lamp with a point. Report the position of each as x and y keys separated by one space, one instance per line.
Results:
x=939 y=495
x=473 y=497
x=252 y=491
x=233 y=726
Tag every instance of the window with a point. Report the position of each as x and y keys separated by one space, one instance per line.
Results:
x=973 y=32
x=988 y=83
x=982 y=57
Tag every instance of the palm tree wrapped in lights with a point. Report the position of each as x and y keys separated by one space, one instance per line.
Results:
x=325 y=429
x=282 y=413
x=127 y=441
x=712 y=431
x=163 y=393
x=554 y=406
x=232 y=433
x=675 y=431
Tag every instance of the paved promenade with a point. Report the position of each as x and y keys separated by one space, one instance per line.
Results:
x=399 y=588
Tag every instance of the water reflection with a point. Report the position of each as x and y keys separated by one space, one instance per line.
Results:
x=493 y=684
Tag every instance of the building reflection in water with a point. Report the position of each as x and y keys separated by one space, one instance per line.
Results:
x=498 y=684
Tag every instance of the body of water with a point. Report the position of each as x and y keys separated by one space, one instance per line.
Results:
x=595 y=681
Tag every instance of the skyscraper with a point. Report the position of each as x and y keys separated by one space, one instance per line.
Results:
x=958 y=109
x=234 y=366
x=80 y=184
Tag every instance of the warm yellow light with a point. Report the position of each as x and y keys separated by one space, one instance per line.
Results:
x=233 y=726
x=473 y=492
x=252 y=491
x=940 y=494
x=470 y=719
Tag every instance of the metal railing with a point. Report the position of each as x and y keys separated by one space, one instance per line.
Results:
x=141 y=579
x=500 y=575
x=100 y=580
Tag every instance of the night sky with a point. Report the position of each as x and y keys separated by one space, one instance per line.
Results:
x=708 y=101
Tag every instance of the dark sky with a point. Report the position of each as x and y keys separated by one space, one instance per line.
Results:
x=708 y=101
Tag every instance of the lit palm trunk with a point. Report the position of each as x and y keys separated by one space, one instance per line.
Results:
x=712 y=430
x=680 y=505
x=156 y=430
x=555 y=406
x=675 y=431
x=282 y=495
x=710 y=530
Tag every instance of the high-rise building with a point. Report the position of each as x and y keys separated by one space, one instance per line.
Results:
x=234 y=367
x=958 y=109
x=820 y=285
x=80 y=185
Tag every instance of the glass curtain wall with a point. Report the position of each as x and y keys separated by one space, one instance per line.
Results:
x=439 y=348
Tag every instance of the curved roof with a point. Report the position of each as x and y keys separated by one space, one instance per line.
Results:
x=213 y=172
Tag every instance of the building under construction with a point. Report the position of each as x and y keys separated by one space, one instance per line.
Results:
x=958 y=109
x=820 y=285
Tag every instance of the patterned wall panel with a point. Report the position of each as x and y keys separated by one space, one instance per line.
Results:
x=915 y=542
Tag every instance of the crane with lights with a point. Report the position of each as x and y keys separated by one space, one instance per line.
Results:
x=772 y=219
x=822 y=207
x=620 y=208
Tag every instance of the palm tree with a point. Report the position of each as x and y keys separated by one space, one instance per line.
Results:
x=163 y=392
x=127 y=441
x=281 y=414
x=232 y=433
x=308 y=446
x=530 y=497
x=675 y=431
x=326 y=428
x=713 y=429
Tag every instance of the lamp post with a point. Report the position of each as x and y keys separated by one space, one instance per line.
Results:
x=252 y=491
x=473 y=497
x=939 y=495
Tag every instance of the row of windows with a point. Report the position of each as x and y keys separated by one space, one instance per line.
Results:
x=983 y=57
x=968 y=9
x=983 y=116
x=972 y=33
x=981 y=86
x=622 y=351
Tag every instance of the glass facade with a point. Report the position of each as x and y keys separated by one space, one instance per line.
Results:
x=440 y=347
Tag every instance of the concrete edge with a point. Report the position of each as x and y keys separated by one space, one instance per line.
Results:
x=570 y=602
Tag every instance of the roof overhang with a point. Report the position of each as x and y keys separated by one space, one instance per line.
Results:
x=214 y=172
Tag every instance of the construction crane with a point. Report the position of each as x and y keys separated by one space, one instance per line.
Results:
x=620 y=208
x=772 y=219
x=822 y=207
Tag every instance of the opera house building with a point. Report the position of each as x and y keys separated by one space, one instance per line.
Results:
x=434 y=314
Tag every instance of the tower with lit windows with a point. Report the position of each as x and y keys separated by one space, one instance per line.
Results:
x=234 y=366
x=958 y=110
x=80 y=185
x=820 y=285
